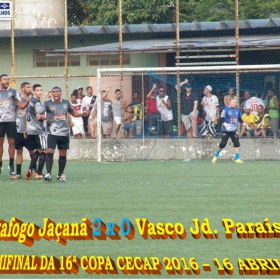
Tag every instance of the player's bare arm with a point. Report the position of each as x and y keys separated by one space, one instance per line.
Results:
x=186 y=81
x=151 y=93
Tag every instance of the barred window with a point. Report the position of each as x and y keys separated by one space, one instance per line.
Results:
x=102 y=60
x=42 y=59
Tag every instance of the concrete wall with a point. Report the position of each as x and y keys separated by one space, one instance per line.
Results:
x=168 y=149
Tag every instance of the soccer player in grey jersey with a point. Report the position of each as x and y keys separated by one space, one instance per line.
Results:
x=58 y=130
x=36 y=135
x=9 y=101
x=21 y=140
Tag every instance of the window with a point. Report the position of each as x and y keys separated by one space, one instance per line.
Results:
x=105 y=60
x=42 y=59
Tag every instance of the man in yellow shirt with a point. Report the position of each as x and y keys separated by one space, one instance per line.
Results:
x=262 y=123
x=248 y=122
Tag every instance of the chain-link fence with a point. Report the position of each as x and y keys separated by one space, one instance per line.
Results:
x=63 y=43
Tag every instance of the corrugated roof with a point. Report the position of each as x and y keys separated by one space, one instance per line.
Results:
x=169 y=45
x=145 y=28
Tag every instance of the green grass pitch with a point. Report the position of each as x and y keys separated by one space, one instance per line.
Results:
x=169 y=191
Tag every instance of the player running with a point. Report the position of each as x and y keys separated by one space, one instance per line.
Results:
x=36 y=135
x=229 y=119
x=58 y=130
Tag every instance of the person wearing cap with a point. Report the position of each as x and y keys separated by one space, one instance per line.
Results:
x=231 y=95
x=211 y=111
x=248 y=123
x=80 y=95
x=189 y=104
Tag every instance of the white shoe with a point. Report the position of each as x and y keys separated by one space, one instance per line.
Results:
x=61 y=178
x=48 y=177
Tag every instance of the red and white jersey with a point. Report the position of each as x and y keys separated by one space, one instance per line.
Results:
x=77 y=107
x=253 y=103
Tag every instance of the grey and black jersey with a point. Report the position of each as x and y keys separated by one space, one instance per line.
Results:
x=34 y=127
x=20 y=121
x=57 y=121
x=8 y=105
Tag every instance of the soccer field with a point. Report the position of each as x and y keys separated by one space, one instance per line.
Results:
x=170 y=191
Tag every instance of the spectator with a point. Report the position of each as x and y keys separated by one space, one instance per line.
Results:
x=189 y=104
x=210 y=105
x=152 y=111
x=106 y=116
x=80 y=95
x=248 y=123
x=262 y=123
x=231 y=95
x=76 y=123
x=117 y=108
x=128 y=124
x=247 y=96
x=272 y=107
x=137 y=107
x=254 y=102
x=87 y=104
x=166 y=116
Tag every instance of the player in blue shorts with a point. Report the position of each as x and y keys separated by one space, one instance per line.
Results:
x=229 y=119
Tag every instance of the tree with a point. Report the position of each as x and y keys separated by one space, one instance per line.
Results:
x=105 y=12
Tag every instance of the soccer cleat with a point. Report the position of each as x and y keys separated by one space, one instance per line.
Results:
x=61 y=178
x=28 y=174
x=38 y=176
x=12 y=169
x=238 y=161
x=48 y=177
x=214 y=160
x=16 y=177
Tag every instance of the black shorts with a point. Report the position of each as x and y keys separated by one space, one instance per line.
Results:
x=21 y=141
x=38 y=141
x=8 y=128
x=165 y=127
x=233 y=136
x=62 y=142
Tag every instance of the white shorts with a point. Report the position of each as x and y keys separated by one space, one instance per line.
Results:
x=78 y=128
x=118 y=120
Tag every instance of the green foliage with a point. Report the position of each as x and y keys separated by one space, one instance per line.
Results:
x=105 y=12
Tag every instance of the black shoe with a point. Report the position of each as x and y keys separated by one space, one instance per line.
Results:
x=12 y=170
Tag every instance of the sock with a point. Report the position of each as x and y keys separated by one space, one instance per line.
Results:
x=217 y=153
x=18 y=169
x=42 y=160
x=0 y=164
x=34 y=158
x=236 y=156
x=11 y=163
x=49 y=162
x=61 y=164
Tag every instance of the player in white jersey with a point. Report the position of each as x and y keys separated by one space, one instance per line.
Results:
x=210 y=105
x=76 y=123
x=253 y=103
